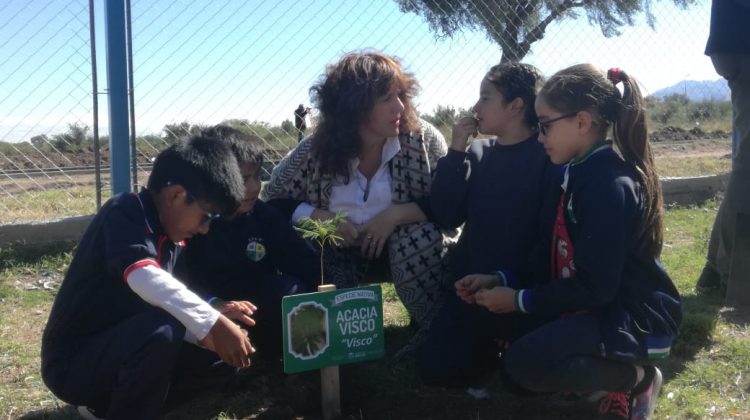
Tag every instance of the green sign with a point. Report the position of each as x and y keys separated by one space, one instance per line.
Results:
x=332 y=328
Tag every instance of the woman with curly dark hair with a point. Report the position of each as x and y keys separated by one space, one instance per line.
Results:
x=371 y=158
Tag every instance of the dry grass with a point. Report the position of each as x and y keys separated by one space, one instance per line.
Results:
x=21 y=387
x=35 y=205
x=693 y=158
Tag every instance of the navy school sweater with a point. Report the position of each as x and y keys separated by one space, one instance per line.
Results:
x=253 y=246
x=616 y=277
x=125 y=234
x=505 y=195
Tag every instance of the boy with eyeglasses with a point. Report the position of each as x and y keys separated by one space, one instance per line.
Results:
x=123 y=331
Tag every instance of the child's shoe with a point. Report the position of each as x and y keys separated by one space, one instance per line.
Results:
x=644 y=396
x=615 y=406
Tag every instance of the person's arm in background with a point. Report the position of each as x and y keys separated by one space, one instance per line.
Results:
x=452 y=178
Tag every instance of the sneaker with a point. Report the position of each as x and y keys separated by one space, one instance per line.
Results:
x=643 y=402
x=87 y=413
x=615 y=406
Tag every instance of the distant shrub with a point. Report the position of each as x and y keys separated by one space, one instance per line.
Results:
x=679 y=111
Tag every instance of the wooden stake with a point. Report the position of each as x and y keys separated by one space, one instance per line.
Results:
x=329 y=381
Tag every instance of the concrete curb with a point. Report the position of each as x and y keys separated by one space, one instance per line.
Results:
x=48 y=231
x=692 y=190
x=680 y=191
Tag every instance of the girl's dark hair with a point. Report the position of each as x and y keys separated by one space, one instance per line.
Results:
x=518 y=80
x=346 y=94
x=583 y=87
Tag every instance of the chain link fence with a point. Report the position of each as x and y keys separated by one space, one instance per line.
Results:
x=251 y=64
x=45 y=109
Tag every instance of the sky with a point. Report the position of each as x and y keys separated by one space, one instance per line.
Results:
x=205 y=61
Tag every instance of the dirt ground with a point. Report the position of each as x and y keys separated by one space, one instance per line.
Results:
x=670 y=133
x=719 y=148
x=398 y=395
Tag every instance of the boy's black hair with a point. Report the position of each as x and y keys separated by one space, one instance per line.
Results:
x=246 y=147
x=206 y=168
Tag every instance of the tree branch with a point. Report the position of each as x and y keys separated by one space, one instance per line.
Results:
x=538 y=32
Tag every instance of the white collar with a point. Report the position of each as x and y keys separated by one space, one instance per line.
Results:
x=391 y=147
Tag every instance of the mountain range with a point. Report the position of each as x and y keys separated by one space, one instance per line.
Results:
x=697 y=90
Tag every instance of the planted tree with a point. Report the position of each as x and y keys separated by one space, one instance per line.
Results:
x=321 y=231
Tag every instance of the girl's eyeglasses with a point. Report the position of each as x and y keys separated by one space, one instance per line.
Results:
x=544 y=125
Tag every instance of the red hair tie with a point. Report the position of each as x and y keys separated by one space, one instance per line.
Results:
x=614 y=75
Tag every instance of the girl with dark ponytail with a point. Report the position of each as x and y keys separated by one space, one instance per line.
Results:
x=614 y=309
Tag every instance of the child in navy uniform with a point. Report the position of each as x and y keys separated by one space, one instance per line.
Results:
x=499 y=189
x=255 y=255
x=615 y=309
x=116 y=337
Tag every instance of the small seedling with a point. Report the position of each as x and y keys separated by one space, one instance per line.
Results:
x=321 y=231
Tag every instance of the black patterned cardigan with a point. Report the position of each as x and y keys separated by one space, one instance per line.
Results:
x=415 y=250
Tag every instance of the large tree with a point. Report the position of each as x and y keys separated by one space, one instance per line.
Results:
x=516 y=24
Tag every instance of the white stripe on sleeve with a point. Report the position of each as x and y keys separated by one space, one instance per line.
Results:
x=160 y=289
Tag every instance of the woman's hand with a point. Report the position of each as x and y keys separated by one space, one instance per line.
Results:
x=349 y=232
x=462 y=129
x=376 y=232
x=500 y=300
x=345 y=230
x=469 y=285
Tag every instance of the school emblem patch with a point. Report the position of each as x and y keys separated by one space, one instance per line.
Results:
x=255 y=250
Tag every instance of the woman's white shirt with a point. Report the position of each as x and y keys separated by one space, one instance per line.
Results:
x=356 y=200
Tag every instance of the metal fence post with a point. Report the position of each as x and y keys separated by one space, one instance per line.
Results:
x=95 y=107
x=117 y=83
